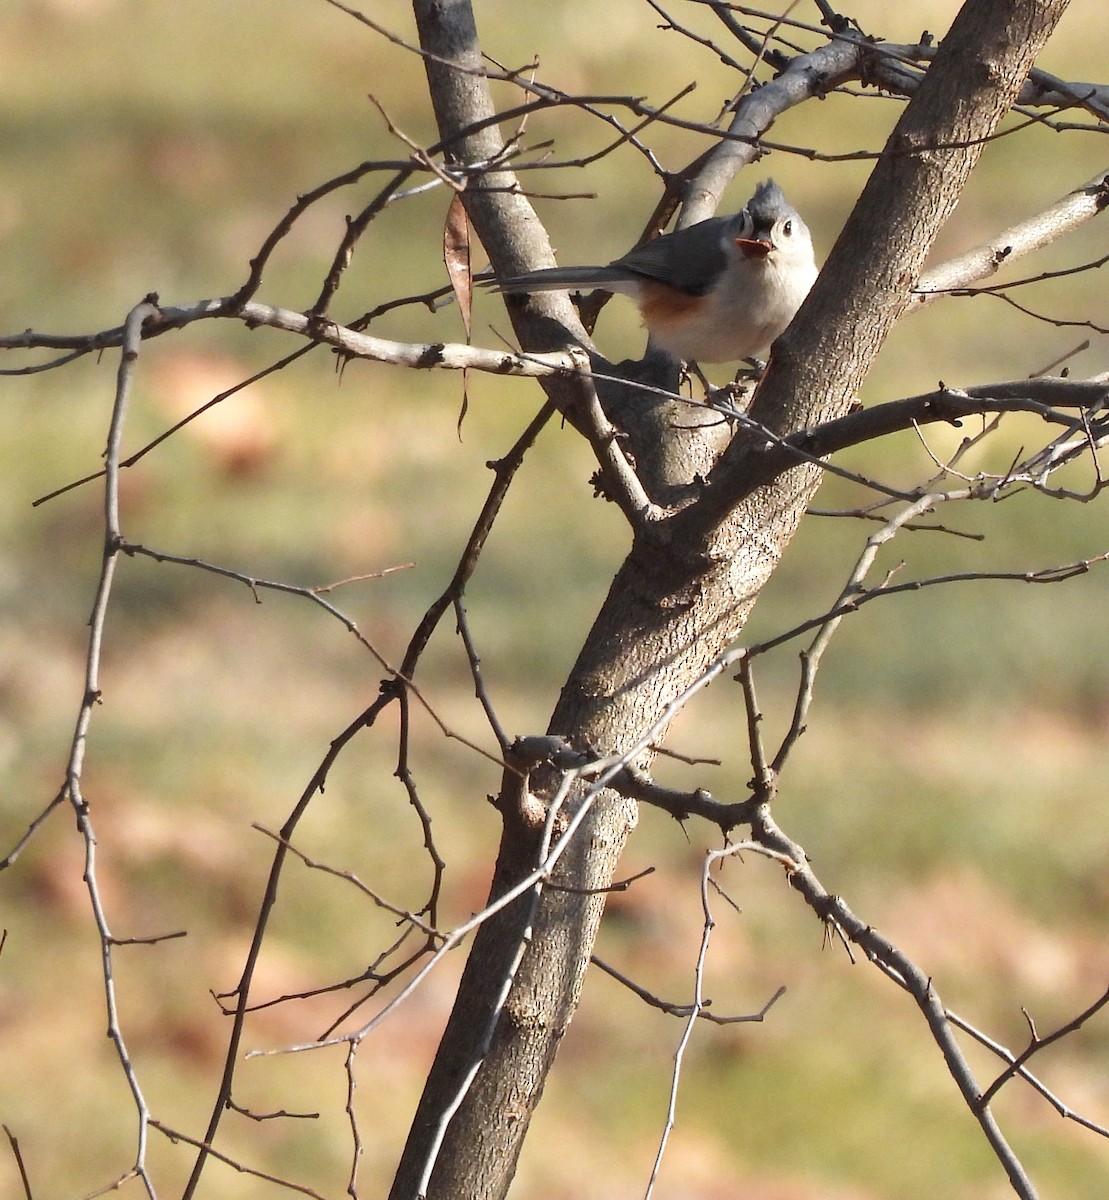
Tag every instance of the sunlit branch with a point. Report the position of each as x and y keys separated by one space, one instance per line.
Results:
x=1033 y=233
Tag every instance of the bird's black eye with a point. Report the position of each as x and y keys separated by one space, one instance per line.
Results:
x=787 y=228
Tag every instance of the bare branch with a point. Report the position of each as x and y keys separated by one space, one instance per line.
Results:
x=352 y=1117
x=480 y=689
x=206 y=1148
x=408 y=918
x=1058 y=322
x=622 y=485
x=705 y=1013
x=269 y=899
x=633 y=783
x=1033 y=233
x=1044 y=88
x=1037 y=1043
x=13 y=1142
x=504 y=472
x=699 y=1002
x=834 y=911
x=113 y=539
x=1041 y=397
x=9 y=858
x=1022 y=1072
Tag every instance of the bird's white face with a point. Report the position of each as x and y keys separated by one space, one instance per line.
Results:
x=787 y=237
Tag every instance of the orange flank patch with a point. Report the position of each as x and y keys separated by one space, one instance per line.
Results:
x=662 y=305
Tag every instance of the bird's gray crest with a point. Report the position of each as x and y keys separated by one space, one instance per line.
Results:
x=769 y=203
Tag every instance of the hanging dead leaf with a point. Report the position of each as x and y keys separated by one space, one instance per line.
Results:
x=456 y=257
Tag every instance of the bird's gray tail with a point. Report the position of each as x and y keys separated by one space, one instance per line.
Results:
x=566 y=279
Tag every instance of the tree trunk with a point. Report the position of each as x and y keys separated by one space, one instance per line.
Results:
x=689 y=582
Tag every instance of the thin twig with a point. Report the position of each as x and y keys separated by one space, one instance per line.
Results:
x=113 y=539
x=481 y=691
x=699 y=1002
x=810 y=657
x=1022 y=1072
x=175 y=1135
x=352 y=1117
x=1037 y=1043
x=13 y=1142
x=833 y=910
x=684 y=1010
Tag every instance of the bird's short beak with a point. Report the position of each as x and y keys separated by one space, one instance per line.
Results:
x=752 y=248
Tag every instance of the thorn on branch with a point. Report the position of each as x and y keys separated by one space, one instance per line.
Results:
x=621 y=885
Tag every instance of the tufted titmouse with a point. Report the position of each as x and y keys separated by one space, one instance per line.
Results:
x=718 y=291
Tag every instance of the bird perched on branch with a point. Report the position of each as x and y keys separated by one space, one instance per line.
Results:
x=718 y=291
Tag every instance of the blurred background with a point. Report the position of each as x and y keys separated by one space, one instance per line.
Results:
x=951 y=785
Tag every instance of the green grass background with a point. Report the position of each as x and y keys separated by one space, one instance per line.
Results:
x=951 y=785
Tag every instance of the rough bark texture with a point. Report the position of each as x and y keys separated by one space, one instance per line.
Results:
x=689 y=582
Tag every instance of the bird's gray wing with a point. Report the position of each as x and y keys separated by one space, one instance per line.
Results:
x=689 y=259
